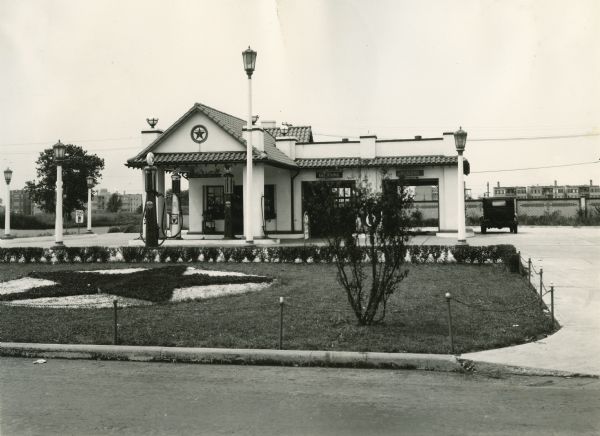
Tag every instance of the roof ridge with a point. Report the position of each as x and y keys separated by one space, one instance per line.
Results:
x=220 y=111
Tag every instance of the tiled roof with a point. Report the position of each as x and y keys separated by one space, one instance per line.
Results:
x=172 y=159
x=381 y=161
x=232 y=125
x=330 y=162
x=302 y=133
x=274 y=154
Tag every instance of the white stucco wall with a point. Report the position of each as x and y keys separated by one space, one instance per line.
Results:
x=318 y=150
x=438 y=146
x=180 y=141
x=281 y=179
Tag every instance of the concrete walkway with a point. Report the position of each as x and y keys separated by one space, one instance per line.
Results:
x=570 y=258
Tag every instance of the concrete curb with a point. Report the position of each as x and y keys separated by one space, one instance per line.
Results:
x=308 y=358
x=430 y=362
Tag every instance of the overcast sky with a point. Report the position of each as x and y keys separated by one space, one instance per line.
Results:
x=91 y=72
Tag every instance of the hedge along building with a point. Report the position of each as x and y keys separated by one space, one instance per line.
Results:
x=205 y=143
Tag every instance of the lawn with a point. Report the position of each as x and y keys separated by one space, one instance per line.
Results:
x=316 y=313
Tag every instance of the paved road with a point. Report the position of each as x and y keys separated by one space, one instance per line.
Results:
x=92 y=397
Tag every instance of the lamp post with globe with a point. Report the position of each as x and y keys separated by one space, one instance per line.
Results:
x=7 y=178
x=90 y=184
x=249 y=57
x=460 y=140
x=59 y=156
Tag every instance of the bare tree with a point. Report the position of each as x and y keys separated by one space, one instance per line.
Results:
x=367 y=233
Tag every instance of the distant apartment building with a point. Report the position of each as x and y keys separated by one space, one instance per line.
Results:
x=129 y=202
x=100 y=199
x=548 y=191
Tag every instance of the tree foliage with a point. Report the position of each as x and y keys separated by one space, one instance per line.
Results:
x=77 y=165
x=368 y=235
x=114 y=203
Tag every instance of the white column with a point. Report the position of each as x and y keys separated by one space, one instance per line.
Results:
x=256 y=202
x=58 y=222
x=89 y=211
x=143 y=205
x=461 y=201
x=7 y=213
x=248 y=204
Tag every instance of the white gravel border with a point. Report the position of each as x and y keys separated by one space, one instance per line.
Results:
x=23 y=284
x=114 y=271
x=213 y=291
x=95 y=301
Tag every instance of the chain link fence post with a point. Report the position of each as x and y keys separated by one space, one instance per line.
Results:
x=281 y=323
x=448 y=297
x=541 y=283
x=115 y=325
x=529 y=271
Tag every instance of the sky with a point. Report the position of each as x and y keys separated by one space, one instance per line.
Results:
x=90 y=73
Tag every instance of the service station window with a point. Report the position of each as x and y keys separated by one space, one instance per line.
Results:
x=341 y=194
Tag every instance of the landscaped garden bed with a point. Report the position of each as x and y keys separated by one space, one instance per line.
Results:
x=316 y=313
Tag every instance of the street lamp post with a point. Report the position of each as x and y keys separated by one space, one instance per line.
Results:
x=228 y=192
x=249 y=57
x=7 y=177
x=460 y=139
x=90 y=185
x=59 y=155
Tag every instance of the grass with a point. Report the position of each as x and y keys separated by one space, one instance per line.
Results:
x=316 y=314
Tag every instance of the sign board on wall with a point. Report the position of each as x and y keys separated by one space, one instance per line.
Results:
x=410 y=172
x=329 y=174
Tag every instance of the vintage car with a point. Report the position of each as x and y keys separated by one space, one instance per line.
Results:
x=499 y=213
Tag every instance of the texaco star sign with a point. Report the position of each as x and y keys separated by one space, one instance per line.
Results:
x=199 y=133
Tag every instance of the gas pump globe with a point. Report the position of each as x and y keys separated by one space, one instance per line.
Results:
x=149 y=211
x=228 y=193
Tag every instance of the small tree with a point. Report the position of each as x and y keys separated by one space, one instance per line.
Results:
x=77 y=165
x=369 y=269
x=114 y=203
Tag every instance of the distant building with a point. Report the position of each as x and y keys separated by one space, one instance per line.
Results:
x=100 y=199
x=129 y=202
x=548 y=191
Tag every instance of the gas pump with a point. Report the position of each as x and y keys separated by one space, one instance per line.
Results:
x=150 y=207
x=176 y=219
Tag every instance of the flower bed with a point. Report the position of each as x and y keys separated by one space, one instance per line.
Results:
x=415 y=254
x=129 y=286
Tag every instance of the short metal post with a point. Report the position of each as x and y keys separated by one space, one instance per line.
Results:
x=552 y=302
x=281 y=323
x=115 y=327
x=520 y=258
x=541 y=282
x=529 y=271
x=448 y=296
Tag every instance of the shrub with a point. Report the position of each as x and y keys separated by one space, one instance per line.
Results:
x=96 y=254
x=32 y=254
x=133 y=254
x=114 y=230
